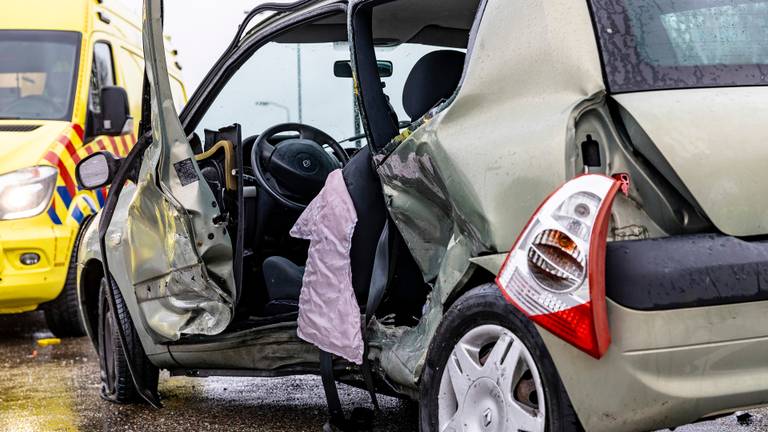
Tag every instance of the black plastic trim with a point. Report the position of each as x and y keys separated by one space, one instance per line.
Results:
x=686 y=271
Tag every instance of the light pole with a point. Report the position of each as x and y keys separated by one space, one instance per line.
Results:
x=298 y=82
x=276 y=105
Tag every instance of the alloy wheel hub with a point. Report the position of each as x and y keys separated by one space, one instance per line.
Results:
x=485 y=408
x=490 y=384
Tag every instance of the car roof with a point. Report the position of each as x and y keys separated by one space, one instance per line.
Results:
x=438 y=22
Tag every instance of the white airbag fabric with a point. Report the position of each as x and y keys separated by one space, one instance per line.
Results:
x=329 y=316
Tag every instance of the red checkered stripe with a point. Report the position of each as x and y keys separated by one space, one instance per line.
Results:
x=70 y=204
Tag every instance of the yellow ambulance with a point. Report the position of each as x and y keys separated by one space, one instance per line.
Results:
x=71 y=75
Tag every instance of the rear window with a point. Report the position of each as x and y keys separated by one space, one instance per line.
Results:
x=672 y=44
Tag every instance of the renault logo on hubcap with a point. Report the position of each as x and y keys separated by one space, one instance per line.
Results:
x=487 y=417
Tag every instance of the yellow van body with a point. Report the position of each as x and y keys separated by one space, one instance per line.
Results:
x=27 y=282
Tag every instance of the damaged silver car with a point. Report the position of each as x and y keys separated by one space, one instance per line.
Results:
x=526 y=215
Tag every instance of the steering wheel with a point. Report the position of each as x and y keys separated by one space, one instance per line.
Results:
x=299 y=165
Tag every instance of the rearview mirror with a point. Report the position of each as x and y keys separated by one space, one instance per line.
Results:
x=97 y=170
x=115 y=118
x=343 y=69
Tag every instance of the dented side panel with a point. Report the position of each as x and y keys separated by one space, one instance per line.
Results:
x=177 y=263
x=465 y=183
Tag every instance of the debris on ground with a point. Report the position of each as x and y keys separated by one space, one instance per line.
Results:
x=48 y=342
x=744 y=419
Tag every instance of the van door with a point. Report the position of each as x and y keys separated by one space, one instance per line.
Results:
x=167 y=244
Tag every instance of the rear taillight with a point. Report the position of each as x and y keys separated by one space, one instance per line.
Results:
x=555 y=273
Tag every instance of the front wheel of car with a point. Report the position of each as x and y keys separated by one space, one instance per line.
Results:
x=488 y=370
x=116 y=380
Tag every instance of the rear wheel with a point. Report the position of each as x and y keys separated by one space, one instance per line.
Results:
x=488 y=370
x=116 y=380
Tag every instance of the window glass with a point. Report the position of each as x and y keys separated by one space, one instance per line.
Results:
x=295 y=83
x=38 y=74
x=287 y=82
x=728 y=34
x=132 y=78
x=682 y=43
x=403 y=57
x=102 y=74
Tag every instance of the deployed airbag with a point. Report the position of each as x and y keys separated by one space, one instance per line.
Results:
x=329 y=315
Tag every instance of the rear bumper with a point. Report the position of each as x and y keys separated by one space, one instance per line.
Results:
x=668 y=368
x=686 y=271
x=698 y=348
x=24 y=287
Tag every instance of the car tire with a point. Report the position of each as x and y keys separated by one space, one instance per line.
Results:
x=116 y=380
x=62 y=314
x=505 y=370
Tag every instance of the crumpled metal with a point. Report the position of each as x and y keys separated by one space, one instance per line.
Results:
x=172 y=262
x=329 y=315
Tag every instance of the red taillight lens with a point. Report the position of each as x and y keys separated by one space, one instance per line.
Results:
x=555 y=273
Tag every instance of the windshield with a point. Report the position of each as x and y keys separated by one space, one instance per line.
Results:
x=37 y=74
x=682 y=43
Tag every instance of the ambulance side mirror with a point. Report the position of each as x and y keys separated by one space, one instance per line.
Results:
x=97 y=170
x=115 y=118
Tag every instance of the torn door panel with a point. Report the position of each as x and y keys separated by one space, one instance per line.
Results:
x=402 y=351
x=440 y=236
x=179 y=262
x=417 y=197
x=155 y=247
x=171 y=290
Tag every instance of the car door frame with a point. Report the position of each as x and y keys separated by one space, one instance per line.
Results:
x=159 y=352
x=242 y=48
x=239 y=52
x=226 y=68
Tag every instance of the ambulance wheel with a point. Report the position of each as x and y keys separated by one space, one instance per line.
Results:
x=487 y=369
x=116 y=380
x=62 y=314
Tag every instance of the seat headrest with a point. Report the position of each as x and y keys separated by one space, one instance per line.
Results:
x=433 y=78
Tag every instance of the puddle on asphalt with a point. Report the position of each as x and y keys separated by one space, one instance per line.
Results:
x=56 y=388
x=38 y=384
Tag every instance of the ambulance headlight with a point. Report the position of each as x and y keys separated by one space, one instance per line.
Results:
x=26 y=192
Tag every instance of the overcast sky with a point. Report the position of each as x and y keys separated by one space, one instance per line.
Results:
x=281 y=81
x=201 y=30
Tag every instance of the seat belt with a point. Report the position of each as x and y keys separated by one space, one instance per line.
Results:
x=380 y=276
x=331 y=392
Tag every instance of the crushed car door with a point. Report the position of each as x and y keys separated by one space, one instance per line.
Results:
x=175 y=251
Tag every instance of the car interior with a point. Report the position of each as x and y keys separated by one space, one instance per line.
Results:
x=285 y=166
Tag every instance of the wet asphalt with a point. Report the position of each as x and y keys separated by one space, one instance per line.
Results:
x=56 y=388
